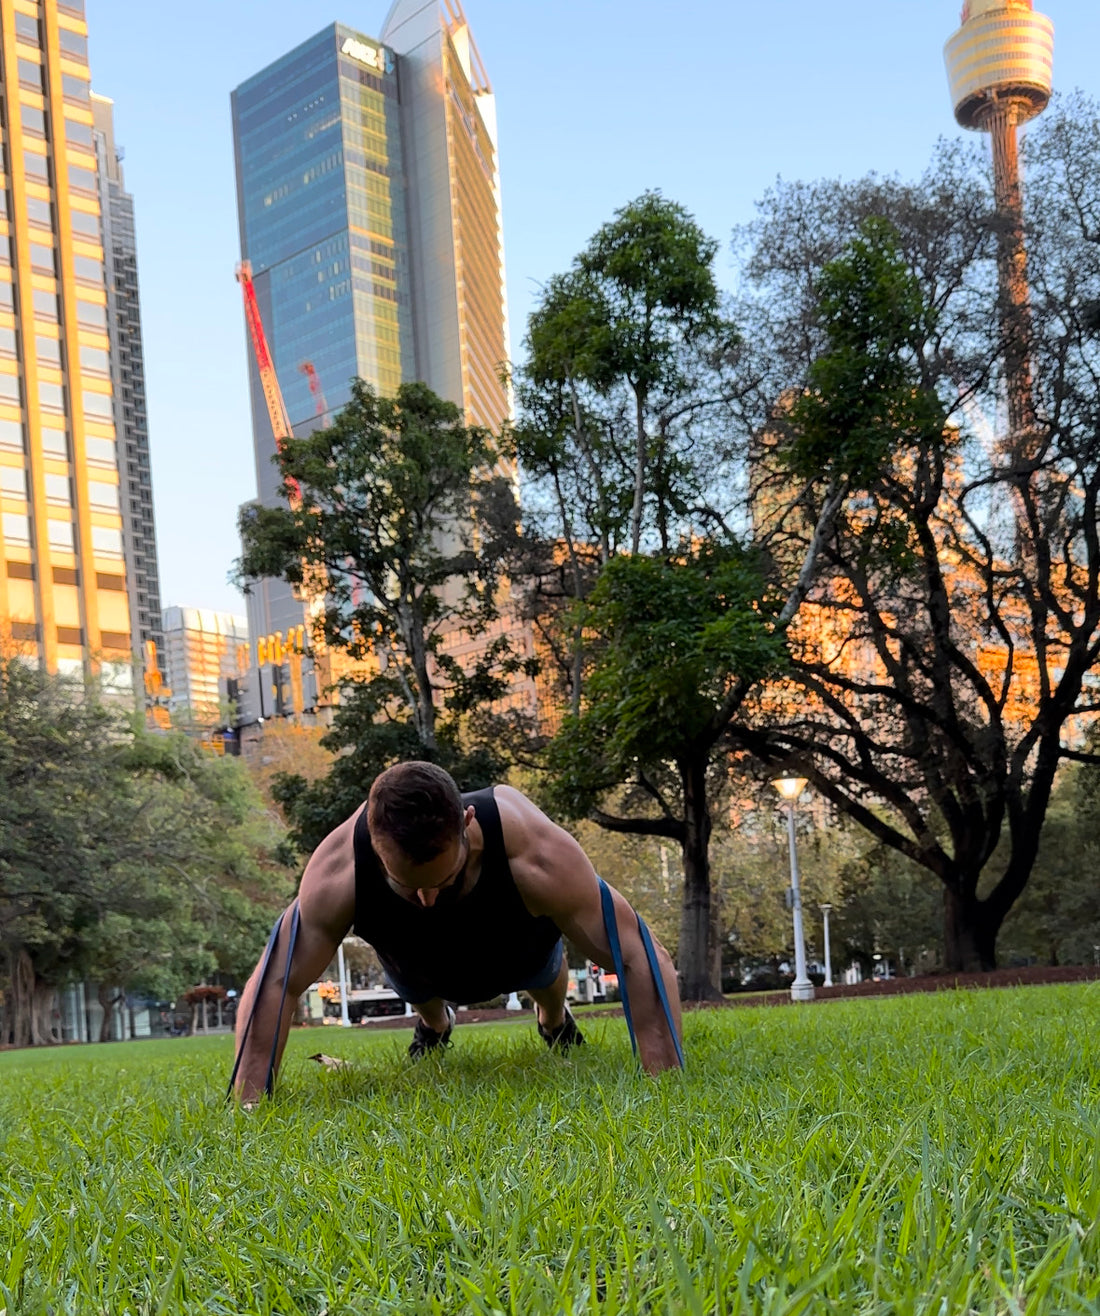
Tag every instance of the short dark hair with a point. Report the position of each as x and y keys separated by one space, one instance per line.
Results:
x=418 y=807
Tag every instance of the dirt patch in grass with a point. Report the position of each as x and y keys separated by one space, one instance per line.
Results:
x=1035 y=975
x=1032 y=976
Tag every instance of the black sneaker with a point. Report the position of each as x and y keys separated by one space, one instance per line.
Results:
x=566 y=1034
x=426 y=1039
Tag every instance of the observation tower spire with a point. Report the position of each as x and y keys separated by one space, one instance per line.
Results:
x=1000 y=70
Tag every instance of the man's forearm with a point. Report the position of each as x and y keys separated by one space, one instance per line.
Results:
x=252 y=1076
x=656 y=1048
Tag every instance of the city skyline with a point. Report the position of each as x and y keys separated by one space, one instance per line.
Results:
x=582 y=131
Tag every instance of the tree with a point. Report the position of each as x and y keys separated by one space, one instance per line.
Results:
x=128 y=859
x=942 y=668
x=393 y=537
x=668 y=638
x=670 y=642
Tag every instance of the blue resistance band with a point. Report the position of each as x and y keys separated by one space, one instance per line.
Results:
x=269 y=1082
x=612 y=929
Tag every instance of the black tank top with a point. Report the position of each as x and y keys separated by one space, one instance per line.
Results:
x=483 y=944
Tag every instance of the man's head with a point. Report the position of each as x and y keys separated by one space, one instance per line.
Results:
x=418 y=829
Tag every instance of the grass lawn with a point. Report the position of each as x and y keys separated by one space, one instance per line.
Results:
x=935 y=1154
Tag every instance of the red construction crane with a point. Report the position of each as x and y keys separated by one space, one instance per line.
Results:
x=273 y=394
x=310 y=371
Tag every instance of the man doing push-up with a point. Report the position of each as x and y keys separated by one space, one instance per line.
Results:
x=463 y=897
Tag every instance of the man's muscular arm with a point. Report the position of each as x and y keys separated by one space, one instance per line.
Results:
x=326 y=902
x=555 y=878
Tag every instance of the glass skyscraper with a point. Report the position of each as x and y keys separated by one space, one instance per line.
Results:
x=369 y=207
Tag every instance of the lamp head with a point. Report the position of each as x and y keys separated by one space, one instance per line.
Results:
x=790 y=787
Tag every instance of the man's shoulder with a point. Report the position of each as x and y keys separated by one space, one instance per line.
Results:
x=328 y=884
x=520 y=818
x=548 y=866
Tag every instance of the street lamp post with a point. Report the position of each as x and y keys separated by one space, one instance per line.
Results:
x=344 y=1017
x=802 y=989
x=828 y=957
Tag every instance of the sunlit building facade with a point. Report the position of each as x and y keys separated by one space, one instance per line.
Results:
x=203 y=651
x=369 y=209
x=63 y=590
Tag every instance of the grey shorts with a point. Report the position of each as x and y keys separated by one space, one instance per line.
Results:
x=418 y=993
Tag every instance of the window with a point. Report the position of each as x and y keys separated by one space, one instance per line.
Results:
x=7 y=296
x=88 y=270
x=84 y=223
x=51 y=397
x=48 y=350
x=60 y=533
x=36 y=166
x=5 y=249
x=103 y=496
x=75 y=89
x=106 y=543
x=39 y=212
x=30 y=74
x=42 y=259
x=17 y=529
x=13 y=481
x=45 y=305
x=98 y=404
x=99 y=451
x=80 y=134
x=91 y=314
x=73 y=44
x=8 y=345
x=26 y=28
x=95 y=361
x=9 y=388
x=34 y=120
x=82 y=180
x=11 y=435
x=55 y=442
x=71 y=7
x=59 y=490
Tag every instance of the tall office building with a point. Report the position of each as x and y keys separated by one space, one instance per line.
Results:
x=128 y=379
x=202 y=649
x=63 y=593
x=369 y=207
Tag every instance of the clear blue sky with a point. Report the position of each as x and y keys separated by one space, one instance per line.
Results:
x=708 y=100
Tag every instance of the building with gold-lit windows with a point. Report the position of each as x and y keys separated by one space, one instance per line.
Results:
x=63 y=588
x=203 y=651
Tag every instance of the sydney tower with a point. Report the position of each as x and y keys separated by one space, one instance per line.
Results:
x=1000 y=67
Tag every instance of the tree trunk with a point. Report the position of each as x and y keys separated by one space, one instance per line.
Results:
x=106 y=997
x=42 y=1009
x=22 y=992
x=641 y=444
x=694 y=960
x=969 y=933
